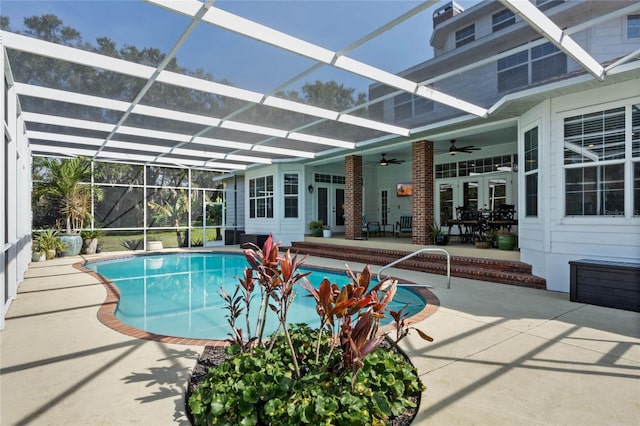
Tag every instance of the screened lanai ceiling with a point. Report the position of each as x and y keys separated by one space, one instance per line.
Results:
x=227 y=85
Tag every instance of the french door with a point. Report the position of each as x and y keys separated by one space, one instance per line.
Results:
x=330 y=206
x=483 y=192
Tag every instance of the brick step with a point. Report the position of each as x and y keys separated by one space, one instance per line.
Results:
x=385 y=256
x=492 y=270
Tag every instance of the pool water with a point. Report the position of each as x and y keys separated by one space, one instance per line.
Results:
x=179 y=294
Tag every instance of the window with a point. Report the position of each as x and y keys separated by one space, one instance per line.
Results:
x=502 y=20
x=402 y=106
x=547 y=61
x=516 y=71
x=633 y=26
x=465 y=35
x=591 y=187
x=485 y=165
x=407 y=105
x=261 y=197
x=447 y=170
x=531 y=172
x=635 y=155
x=513 y=71
x=291 y=195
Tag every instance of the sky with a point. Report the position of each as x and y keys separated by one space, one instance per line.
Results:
x=247 y=63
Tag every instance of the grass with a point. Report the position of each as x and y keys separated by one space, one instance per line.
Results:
x=130 y=240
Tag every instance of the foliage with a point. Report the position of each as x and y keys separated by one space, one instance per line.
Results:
x=44 y=71
x=65 y=186
x=260 y=387
x=336 y=374
x=316 y=224
x=48 y=240
x=132 y=243
x=491 y=235
x=89 y=235
x=316 y=227
x=503 y=231
x=434 y=231
x=172 y=211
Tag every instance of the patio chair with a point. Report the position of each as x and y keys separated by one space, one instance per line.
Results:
x=368 y=227
x=405 y=224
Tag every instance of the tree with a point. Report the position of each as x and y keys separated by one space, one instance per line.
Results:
x=65 y=185
x=173 y=210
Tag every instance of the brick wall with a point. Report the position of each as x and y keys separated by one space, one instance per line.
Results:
x=353 y=197
x=423 y=196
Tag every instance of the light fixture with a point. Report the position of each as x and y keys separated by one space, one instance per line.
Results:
x=310 y=188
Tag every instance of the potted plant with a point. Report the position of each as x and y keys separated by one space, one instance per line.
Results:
x=65 y=185
x=316 y=227
x=437 y=236
x=492 y=237
x=49 y=242
x=90 y=241
x=326 y=232
x=37 y=254
x=506 y=239
x=335 y=374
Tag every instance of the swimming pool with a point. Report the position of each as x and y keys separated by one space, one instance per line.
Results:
x=178 y=294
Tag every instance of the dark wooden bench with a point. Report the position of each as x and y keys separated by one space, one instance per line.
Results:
x=606 y=283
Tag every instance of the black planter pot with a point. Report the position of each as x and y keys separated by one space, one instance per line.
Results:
x=441 y=240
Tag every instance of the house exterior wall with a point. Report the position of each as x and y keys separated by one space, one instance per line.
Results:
x=284 y=229
x=15 y=193
x=605 y=42
x=551 y=240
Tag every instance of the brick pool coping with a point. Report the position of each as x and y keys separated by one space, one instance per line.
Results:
x=106 y=312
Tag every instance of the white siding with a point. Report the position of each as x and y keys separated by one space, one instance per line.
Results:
x=284 y=230
x=570 y=238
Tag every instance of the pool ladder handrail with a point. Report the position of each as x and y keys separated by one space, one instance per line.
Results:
x=410 y=255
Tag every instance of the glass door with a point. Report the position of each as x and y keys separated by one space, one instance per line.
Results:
x=384 y=207
x=485 y=192
x=330 y=206
x=446 y=209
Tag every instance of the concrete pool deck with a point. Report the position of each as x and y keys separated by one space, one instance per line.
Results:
x=502 y=355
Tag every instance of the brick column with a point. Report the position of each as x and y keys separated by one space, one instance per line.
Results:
x=353 y=197
x=423 y=196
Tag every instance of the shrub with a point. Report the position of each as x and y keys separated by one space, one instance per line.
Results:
x=337 y=374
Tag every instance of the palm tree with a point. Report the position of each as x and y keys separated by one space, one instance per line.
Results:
x=65 y=185
x=173 y=210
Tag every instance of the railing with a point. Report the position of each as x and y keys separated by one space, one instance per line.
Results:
x=409 y=256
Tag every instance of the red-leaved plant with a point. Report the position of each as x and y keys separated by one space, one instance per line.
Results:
x=352 y=313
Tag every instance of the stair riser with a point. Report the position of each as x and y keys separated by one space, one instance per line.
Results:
x=505 y=272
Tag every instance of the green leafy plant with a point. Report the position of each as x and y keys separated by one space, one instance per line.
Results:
x=66 y=186
x=336 y=374
x=88 y=235
x=316 y=227
x=48 y=240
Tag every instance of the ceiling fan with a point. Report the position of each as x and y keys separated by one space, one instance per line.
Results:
x=453 y=150
x=385 y=162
